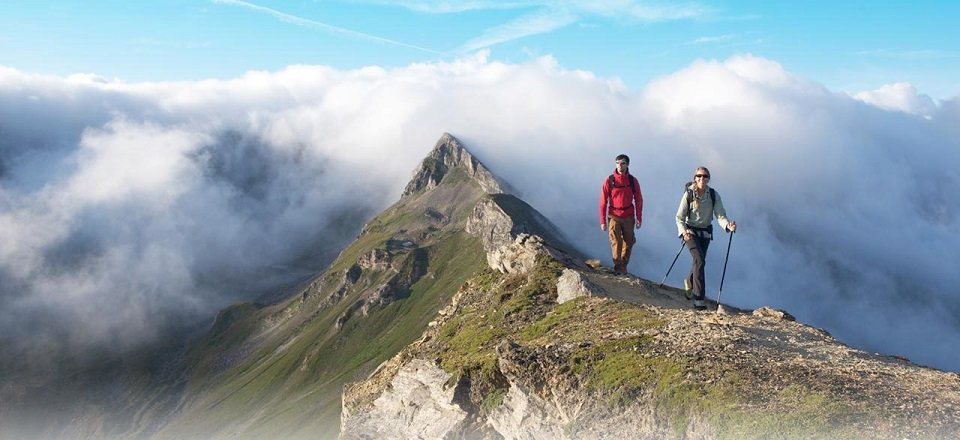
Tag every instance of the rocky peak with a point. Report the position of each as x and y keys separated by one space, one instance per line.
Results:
x=446 y=155
x=511 y=231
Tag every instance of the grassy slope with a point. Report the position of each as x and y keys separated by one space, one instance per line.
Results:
x=287 y=382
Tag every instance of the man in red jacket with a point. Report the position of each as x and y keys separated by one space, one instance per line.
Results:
x=621 y=193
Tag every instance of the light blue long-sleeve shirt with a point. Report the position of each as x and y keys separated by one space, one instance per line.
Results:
x=703 y=215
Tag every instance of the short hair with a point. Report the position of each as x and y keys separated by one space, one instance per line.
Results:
x=623 y=157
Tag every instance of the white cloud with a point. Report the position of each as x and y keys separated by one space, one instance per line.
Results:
x=844 y=210
x=899 y=97
x=740 y=84
x=134 y=160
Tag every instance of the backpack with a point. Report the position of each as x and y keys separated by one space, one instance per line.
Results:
x=633 y=183
x=689 y=189
x=708 y=231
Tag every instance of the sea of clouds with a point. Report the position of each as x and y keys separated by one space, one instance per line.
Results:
x=127 y=207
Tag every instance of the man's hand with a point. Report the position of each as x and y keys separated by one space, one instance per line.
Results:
x=638 y=225
x=687 y=235
x=603 y=226
x=732 y=226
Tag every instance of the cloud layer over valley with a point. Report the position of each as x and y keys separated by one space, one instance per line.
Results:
x=127 y=207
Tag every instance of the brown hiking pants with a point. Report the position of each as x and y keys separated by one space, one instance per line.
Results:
x=621 y=241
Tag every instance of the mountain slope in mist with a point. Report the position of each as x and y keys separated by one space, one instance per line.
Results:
x=279 y=369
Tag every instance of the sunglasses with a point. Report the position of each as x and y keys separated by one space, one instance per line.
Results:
x=622 y=162
x=705 y=176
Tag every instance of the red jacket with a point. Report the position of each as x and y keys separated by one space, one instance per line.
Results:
x=621 y=198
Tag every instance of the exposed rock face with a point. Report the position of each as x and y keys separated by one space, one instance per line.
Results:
x=492 y=224
x=449 y=153
x=402 y=273
x=524 y=414
x=572 y=285
x=418 y=405
x=513 y=233
x=517 y=257
x=377 y=259
x=769 y=312
x=398 y=285
x=545 y=402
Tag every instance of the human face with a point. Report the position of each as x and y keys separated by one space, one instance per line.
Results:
x=701 y=179
x=622 y=166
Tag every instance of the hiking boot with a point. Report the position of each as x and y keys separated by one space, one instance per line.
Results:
x=698 y=304
x=687 y=289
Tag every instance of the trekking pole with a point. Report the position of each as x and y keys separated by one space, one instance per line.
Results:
x=671 y=264
x=725 y=259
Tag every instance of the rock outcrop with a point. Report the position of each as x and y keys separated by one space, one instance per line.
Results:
x=572 y=284
x=418 y=405
x=513 y=233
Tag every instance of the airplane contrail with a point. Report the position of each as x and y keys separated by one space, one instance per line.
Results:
x=300 y=21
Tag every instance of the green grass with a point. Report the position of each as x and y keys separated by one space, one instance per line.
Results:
x=498 y=305
x=619 y=371
x=493 y=400
x=310 y=373
x=793 y=413
x=231 y=328
x=584 y=319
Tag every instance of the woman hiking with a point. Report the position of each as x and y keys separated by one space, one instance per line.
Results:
x=698 y=206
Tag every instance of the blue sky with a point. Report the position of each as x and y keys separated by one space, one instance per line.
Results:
x=847 y=46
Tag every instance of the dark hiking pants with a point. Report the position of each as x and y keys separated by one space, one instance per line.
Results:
x=698 y=250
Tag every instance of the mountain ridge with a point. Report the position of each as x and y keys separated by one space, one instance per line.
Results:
x=462 y=312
